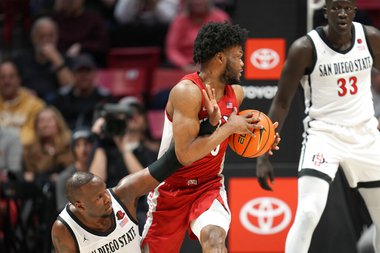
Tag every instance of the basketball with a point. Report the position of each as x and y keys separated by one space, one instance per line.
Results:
x=247 y=146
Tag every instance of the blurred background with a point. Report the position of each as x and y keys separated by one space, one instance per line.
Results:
x=64 y=62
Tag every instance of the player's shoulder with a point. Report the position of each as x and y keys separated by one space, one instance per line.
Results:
x=239 y=92
x=373 y=38
x=301 y=48
x=371 y=30
x=185 y=89
x=373 y=34
x=238 y=89
x=302 y=43
x=58 y=227
x=60 y=230
x=62 y=237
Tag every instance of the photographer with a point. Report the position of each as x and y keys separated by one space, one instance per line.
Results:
x=124 y=145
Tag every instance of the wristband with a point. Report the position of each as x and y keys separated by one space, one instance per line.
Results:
x=206 y=128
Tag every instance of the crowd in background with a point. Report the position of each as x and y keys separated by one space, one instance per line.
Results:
x=54 y=118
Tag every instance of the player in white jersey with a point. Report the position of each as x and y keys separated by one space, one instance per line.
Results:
x=333 y=63
x=104 y=220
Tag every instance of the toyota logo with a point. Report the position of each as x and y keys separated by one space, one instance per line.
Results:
x=265 y=215
x=265 y=58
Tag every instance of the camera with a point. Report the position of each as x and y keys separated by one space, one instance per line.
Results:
x=116 y=118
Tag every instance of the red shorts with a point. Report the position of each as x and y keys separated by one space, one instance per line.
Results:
x=173 y=205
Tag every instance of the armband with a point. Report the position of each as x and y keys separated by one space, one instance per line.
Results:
x=206 y=128
x=166 y=165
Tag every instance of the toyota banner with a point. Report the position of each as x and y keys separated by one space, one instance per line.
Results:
x=261 y=219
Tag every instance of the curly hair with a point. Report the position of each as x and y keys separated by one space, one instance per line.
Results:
x=213 y=38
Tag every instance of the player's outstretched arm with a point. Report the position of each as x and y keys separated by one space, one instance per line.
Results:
x=299 y=59
x=62 y=239
x=141 y=182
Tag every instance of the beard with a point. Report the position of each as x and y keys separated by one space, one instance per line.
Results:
x=107 y=215
x=230 y=76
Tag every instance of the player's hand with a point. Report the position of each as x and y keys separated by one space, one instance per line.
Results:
x=211 y=105
x=264 y=172
x=243 y=123
x=277 y=140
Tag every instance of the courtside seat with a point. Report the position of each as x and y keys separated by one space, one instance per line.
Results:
x=147 y=58
x=163 y=80
x=166 y=78
x=122 y=81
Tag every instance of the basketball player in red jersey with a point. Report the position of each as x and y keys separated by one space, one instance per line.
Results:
x=194 y=197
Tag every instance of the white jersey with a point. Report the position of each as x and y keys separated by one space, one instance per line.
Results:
x=122 y=237
x=338 y=89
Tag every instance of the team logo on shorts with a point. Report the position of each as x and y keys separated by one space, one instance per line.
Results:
x=318 y=159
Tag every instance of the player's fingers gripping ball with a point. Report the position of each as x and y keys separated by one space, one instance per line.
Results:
x=247 y=146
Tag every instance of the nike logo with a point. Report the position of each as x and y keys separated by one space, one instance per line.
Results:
x=260 y=138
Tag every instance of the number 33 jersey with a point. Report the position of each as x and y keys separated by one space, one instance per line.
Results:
x=338 y=88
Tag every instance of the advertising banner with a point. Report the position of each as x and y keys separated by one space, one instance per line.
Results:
x=261 y=219
x=264 y=58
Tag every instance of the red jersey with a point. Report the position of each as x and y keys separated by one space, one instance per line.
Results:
x=211 y=164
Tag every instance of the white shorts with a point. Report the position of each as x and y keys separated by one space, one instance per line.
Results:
x=216 y=215
x=355 y=149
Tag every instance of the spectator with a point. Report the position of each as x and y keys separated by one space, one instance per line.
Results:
x=81 y=146
x=10 y=153
x=77 y=103
x=138 y=130
x=127 y=151
x=143 y=23
x=18 y=107
x=50 y=152
x=146 y=11
x=80 y=30
x=184 y=28
x=105 y=8
x=44 y=159
x=10 y=170
x=44 y=69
